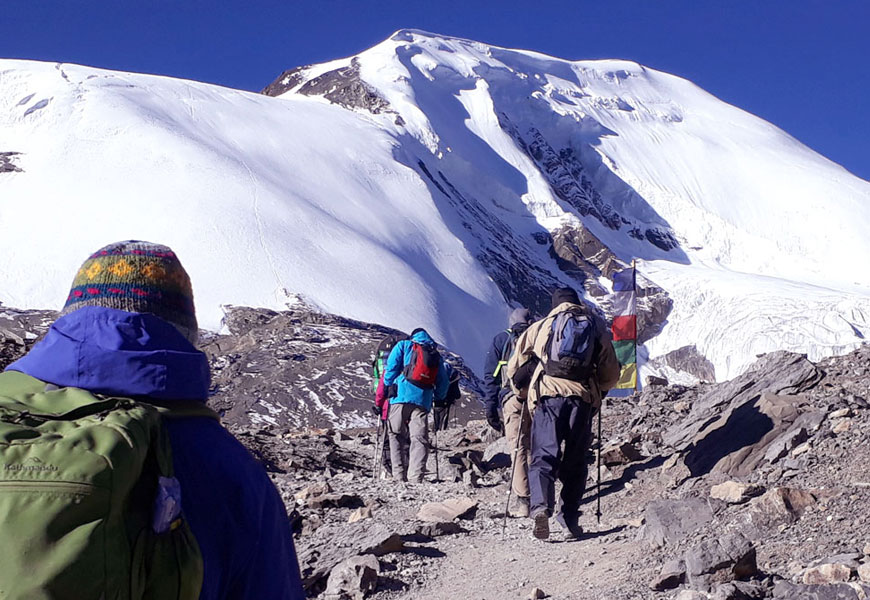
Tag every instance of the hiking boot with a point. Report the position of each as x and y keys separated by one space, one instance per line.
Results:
x=520 y=508
x=541 y=530
x=570 y=527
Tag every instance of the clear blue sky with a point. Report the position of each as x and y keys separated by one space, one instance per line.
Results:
x=804 y=65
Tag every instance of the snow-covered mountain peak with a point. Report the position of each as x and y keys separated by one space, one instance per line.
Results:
x=438 y=182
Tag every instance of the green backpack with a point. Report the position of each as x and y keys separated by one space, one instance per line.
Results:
x=89 y=506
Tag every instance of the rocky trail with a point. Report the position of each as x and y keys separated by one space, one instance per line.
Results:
x=753 y=488
x=757 y=487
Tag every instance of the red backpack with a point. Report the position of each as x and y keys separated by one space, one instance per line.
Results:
x=422 y=368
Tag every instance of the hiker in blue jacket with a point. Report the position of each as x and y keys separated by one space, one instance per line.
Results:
x=128 y=329
x=408 y=428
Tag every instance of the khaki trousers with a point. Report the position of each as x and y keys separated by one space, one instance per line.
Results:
x=516 y=412
x=409 y=441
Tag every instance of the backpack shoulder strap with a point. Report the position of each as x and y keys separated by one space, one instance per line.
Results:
x=187 y=408
x=502 y=359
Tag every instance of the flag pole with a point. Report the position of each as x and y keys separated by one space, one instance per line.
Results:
x=636 y=353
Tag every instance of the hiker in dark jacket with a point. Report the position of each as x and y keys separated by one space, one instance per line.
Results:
x=517 y=420
x=562 y=409
x=128 y=329
x=409 y=432
x=441 y=410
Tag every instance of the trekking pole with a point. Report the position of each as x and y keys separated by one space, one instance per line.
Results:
x=598 y=489
x=513 y=470
x=379 y=451
x=437 y=474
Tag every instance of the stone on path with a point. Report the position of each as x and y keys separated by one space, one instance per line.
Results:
x=620 y=454
x=673 y=573
x=348 y=540
x=537 y=594
x=442 y=512
x=780 y=505
x=785 y=590
x=353 y=578
x=734 y=492
x=363 y=512
x=730 y=557
x=827 y=573
x=864 y=572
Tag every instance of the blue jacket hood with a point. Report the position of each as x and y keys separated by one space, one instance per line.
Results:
x=115 y=352
x=422 y=337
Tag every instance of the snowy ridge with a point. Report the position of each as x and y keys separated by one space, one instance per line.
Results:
x=418 y=183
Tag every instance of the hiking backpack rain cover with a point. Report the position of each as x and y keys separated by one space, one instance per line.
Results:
x=89 y=506
x=422 y=367
x=382 y=352
x=570 y=349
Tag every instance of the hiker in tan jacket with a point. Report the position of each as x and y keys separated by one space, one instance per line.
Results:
x=569 y=376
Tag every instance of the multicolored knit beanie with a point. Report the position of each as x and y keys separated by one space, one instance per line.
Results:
x=138 y=277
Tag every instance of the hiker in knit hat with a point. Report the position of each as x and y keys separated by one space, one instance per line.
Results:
x=128 y=330
x=498 y=395
x=573 y=366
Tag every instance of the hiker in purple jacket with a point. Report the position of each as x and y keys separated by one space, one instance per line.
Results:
x=128 y=329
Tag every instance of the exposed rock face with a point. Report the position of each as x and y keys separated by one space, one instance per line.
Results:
x=7 y=162
x=19 y=330
x=507 y=257
x=689 y=360
x=300 y=368
x=340 y=86
x=286 y=81
x=726 y=425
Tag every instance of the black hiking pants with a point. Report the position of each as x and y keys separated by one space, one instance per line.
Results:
x=556 y=421
x=440 y=415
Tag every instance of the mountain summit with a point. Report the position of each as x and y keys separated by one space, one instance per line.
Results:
x=434 y=181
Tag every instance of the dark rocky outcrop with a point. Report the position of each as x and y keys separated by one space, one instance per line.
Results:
x=286 y=81
x=7 y=162
x=688 y=360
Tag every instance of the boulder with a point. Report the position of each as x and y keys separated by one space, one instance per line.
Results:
x=734 y=492
x=673 y=574
x=720 y=560
x=864 y=572
x=353 y=578
x=778 y=506
x=827 y=573
x=729 y=428
x=669 y=521
x=537 y=594
x=448 y=510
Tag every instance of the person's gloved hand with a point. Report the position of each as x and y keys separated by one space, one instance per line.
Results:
x=377 y=411
x=494 y=421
